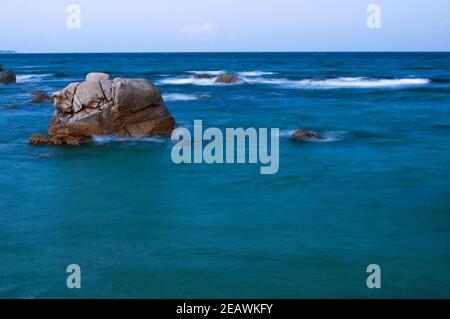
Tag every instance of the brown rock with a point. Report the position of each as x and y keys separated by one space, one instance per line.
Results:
x=7 y=77
x=40 y=139
x=124 y=107
x=301 y=135
x=228 y=79
x=40 y=96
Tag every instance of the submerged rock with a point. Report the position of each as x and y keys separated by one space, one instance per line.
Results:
x=7 y=76
x=301 y=135
x=40 y=139
x=124 y=107
x=202 y=76
x=46 y=155
x=40 y=96
x=228 y=78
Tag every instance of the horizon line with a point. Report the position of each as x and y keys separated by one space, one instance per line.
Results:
x=5 y=52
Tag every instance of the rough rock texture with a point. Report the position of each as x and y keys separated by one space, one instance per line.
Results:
x=7 y=76
x=40 y=96
x=124 y=107
x=55 y=140
x=95 y=77
x=228 y=79
x=301 y=135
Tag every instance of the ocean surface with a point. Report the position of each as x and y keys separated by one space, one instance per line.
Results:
x=375 y=191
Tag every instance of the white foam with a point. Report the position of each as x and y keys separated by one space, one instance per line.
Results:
x=192 y=81
x=335 y=83
x=270 y=81
x=185 y=81
x=172 y=97
x=338 y=82
x=357 y=83
x=330 y=136
x=255 y=73
x=30 y=77
x=208 y=72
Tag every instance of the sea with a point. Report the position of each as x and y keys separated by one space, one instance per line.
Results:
x=374 y=191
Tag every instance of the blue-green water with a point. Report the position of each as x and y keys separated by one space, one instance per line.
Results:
x=377 y=191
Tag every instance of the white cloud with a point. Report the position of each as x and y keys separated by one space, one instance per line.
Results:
x=202 y=28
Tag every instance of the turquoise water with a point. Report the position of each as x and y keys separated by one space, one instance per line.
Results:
x=377 y=191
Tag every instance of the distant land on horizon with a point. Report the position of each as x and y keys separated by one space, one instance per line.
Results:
x=7 y=51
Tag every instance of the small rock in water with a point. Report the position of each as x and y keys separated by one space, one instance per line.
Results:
x=7 y=77
x=202 y=76
x=40 y=96
x=228 y=79
x=301 y=135
x=10 y=106
x=45 y=155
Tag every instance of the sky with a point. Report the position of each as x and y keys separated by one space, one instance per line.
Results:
x=223 y=25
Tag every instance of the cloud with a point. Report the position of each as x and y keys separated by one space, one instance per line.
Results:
x=202 y=28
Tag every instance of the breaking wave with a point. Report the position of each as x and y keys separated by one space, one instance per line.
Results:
x=21 y=78
x=255 y=73
x=208 y=72
x=172 y=97
x=340 y=82
x=184 y=81
x=333 y=83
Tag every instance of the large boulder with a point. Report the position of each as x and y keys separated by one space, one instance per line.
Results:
x=124 y=107
x=7 y=76
x=228 y=78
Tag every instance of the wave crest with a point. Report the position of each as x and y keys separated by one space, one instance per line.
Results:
x=173 y=97
x=21 y=78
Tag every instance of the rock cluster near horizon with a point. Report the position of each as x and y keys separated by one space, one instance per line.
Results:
x=99 y=106
x=7 y=76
